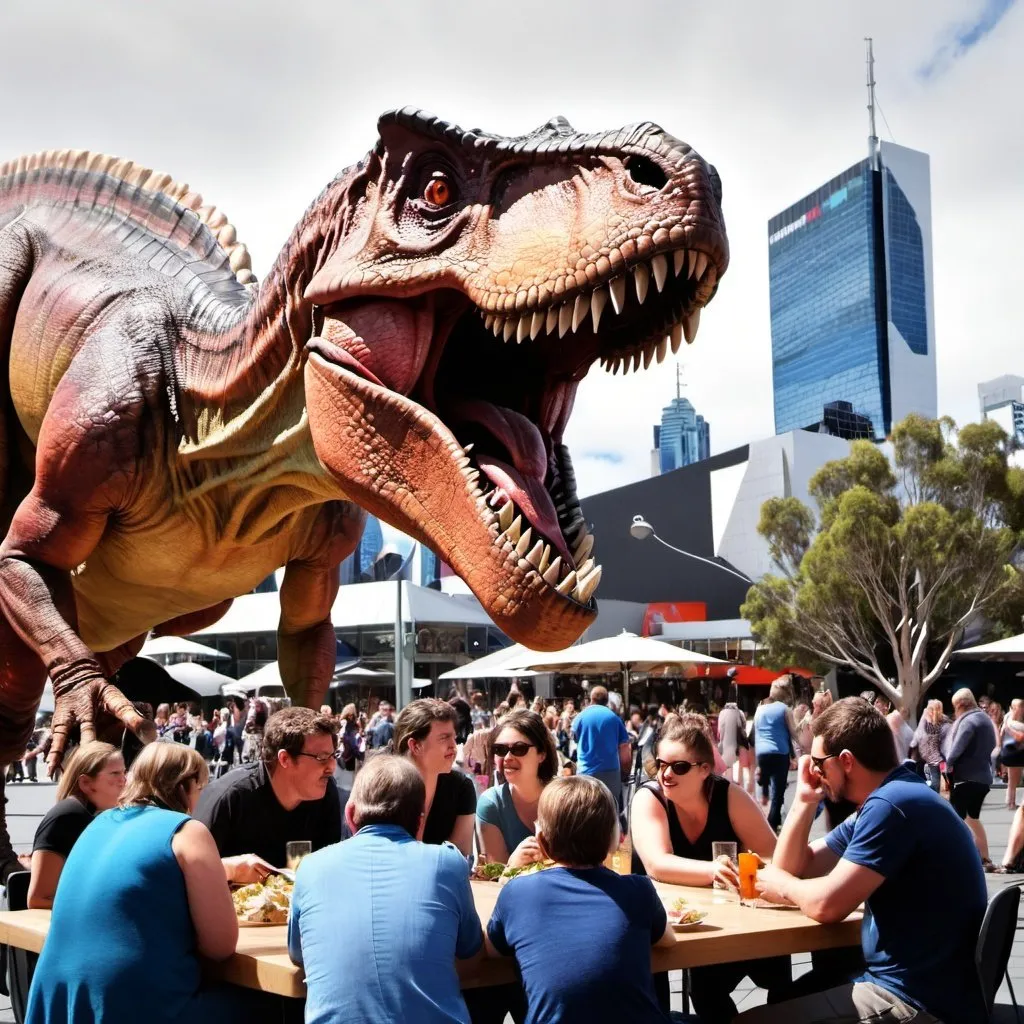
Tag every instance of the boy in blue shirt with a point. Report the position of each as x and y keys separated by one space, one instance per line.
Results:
x=906 y=855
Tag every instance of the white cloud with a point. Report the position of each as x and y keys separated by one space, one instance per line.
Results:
x=258 y=104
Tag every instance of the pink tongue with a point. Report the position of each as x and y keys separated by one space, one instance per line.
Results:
x=523 y=481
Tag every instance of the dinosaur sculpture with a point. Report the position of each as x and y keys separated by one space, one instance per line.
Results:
x=171 y=431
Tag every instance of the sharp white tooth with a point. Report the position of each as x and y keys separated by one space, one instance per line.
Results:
x=523 y=330
x=584 y=548
x=636 y=361
x=586 y=588
x=505 y=515
x=677 y=337
x=469 y=447
x=690 y=325
x=564 y=319
x=545 y=558
x=678 y=259
x=552 y=320
x=462 y=462
x=617 y=288
x=660 y=267
x=536 y=324
x=568 y=585
x=510 y=328
x=663 y=348
x=553 y=571
x=613 y=366
x=585 y=568
x=535 y=554
x=498 y=324
x=702 y=265
x=648 y=355
x=691 y=257
x=489 y=321
x=513 y=531
x=640 y=279
x=597 y=303
x=580 y=311
x=524 y=542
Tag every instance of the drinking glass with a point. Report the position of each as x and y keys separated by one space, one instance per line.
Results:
x=295 y=851
x=748 y=865
x=720 y=850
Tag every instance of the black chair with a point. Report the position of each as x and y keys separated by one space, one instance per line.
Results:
x=21 y=964
x=995 y=940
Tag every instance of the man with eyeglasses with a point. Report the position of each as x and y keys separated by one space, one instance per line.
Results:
x=254 y=811
x=906 y=855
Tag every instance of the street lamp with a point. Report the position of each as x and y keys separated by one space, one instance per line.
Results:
x=641 y=530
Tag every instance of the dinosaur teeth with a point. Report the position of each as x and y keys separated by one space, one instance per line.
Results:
x=676 y=337
x=523 y=330
x=690 y=325
x=660 y=267
x=702 y=265
x=597 y=303
x=510 y=328
x=568 y=585
x=553 y=571
x=585 y=568
x=678 y=259
x=584 y=548
x=617 y=289
x=489 y=321
x=691 y=257
x=536 y=324
x=640 y=280
x=564 y=319
x=580 y=311
x=551 y=321
x=498 y=324
x=535 y=554
x=663 y=348
x=524 y=542
x=585 y=588
x=505 y=515
x=648 y=355
x=512 y=533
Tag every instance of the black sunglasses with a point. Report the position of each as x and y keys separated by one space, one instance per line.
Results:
x=819 y=762
x=515 y=749
x=676 y=767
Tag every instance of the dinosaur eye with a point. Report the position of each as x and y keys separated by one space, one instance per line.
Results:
x=439 y=190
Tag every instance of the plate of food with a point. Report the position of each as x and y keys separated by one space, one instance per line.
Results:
x=528 y=869
x=262 y=904
x=489 y=872
x=680 y=915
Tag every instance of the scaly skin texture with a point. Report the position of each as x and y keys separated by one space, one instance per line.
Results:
x=171 y=431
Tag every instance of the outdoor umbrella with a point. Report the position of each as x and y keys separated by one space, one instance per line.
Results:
x=157 y=646
x=624 y=653
x=1010 y=649
x=494 y=665
x=203 y=680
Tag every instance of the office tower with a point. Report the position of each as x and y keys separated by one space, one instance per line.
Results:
x=1002 y=400
x=852 y=308
x=683 y=437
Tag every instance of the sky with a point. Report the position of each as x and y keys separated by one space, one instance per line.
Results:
x=258 y=104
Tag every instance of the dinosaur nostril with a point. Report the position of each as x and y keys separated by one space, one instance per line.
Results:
x=645 y=172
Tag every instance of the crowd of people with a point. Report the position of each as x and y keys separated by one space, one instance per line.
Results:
x=399 y=809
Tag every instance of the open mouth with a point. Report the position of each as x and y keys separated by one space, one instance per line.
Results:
x=497 y=388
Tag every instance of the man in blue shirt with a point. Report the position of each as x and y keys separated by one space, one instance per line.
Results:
x=602 y=743
x=906 y=855
x=377 y=921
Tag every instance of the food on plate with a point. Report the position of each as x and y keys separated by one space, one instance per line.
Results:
x=489 y=872
x=528 y=869
x=264 y=902
x=677 y=905
x=684 y=917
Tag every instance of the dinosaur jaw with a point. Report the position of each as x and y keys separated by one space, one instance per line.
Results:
x=401 y=463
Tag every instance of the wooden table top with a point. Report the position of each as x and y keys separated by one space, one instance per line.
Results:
x=730 y=932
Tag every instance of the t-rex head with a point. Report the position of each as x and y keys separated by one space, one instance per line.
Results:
x=466 y=284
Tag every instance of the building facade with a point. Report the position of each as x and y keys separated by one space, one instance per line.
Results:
x=852 y=307
x=1002 y=400
x=683 y=437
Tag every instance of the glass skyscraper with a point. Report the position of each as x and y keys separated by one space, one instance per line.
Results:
x=683 y=437
x=850 y=273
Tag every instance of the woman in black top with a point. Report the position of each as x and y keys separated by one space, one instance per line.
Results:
x=93 y=778
x=425 y=733
x=674 y=821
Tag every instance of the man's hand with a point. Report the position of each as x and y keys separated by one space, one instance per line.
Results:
x=808 y=783
x=527 y=852
x=246 y=869
x=771 y=884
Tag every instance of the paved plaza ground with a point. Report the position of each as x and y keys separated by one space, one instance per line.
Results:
x=28 y=803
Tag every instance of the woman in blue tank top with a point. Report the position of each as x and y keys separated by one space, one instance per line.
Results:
x=142 y=896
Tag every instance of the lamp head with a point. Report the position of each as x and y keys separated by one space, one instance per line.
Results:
x=641 y=529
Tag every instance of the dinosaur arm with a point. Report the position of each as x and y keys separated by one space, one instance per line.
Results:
x=305 y=637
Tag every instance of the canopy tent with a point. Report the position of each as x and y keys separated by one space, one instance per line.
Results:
x=158 y=646
x=267 y=682
x=352 y=674
x=493 y=666
x=624 y=653
x=1009 y=649
x=203 y=680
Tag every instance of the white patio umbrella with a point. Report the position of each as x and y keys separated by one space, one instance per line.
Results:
x=493 y=666
x=156 y=646
x=624 y=653
x=1009 y=649
x=203 y=680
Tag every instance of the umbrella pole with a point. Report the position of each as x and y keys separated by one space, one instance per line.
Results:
x=625 y=687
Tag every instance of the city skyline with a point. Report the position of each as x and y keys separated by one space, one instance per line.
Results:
x=270 y=120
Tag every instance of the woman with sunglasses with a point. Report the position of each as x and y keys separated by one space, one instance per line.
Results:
x=525 y=757
x=675 y=818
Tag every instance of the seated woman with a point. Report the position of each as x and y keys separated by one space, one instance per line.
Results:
x=674 y=821
x=141 y=899
x=525 y=754
x=425 y=733
x=92 y=781
x=602 y=970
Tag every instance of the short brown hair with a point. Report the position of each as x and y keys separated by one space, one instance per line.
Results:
x=288 y=728
x=532 y=726
x=389 y=791
x=854 y=725
x=599 y=695
x=578 y=820
x=161 y=774
x=416 y=718
x=86 y=759
x=691 y=730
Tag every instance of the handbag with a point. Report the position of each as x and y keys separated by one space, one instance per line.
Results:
x=742 y=740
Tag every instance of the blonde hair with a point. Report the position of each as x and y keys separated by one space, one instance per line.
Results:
x=782 y=690
x=161 y=774
x=86 y=759
x=934 y=711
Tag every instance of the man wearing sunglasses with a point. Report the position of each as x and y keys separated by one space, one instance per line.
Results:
x=905 y=845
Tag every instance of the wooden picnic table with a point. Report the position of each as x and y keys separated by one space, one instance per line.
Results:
x=730 y=932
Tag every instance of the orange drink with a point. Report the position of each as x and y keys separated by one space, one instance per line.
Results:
x=748 y=865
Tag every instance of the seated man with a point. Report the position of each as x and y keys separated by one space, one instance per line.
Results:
x=377 y=921
x=906 y=854
x=255 y=810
